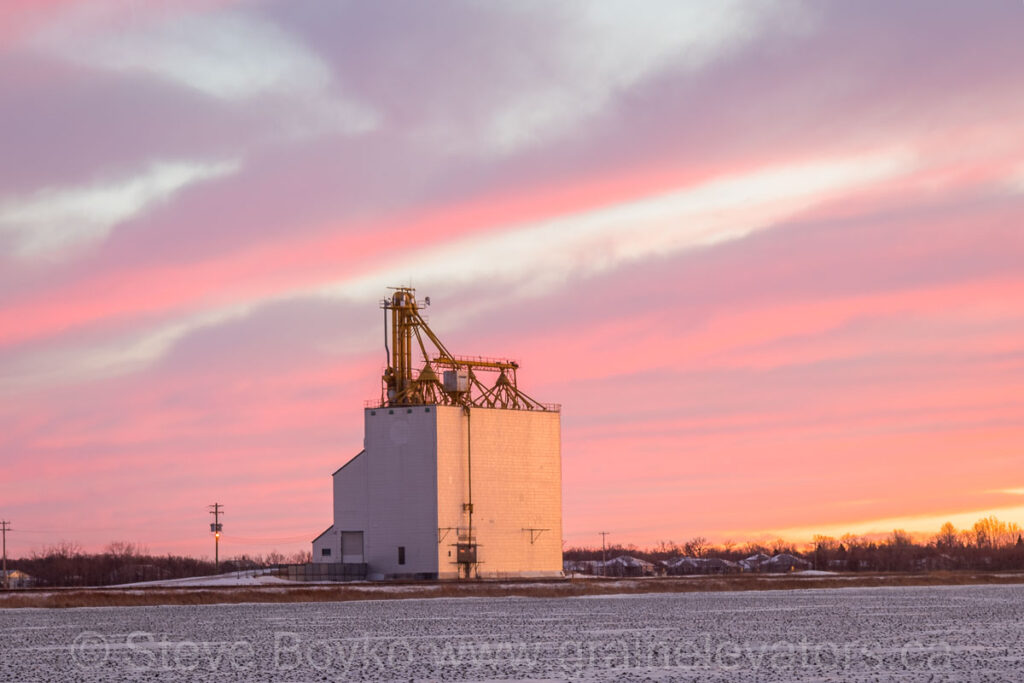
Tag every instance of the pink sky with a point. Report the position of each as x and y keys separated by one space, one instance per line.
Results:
x=768 y=255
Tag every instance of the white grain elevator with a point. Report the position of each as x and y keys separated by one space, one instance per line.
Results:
x=460 y=472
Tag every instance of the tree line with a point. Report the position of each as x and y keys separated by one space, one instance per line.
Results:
x=989 y=544
x=65 y=564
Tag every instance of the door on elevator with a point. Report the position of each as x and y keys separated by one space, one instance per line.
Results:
x=352 y=547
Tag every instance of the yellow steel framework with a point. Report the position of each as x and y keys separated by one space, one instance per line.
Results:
x=461 y=385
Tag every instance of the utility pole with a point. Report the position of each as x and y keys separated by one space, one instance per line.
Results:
x=216 y=528
x=5 y=526
x=604 y=560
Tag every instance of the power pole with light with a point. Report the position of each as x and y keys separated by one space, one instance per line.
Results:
x=216 y=527
x=604 y=560
x=5 y=526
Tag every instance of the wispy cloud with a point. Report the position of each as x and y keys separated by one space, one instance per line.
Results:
x=607 y=47
x=594 y=241
x=583 y=244
x=55 y=220
x=222 y=53
x=131 y=352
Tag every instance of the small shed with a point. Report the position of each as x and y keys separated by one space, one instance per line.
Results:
x=16 y=579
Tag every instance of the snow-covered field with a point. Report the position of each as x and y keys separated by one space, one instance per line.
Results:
x=260 y=577
x=878 y=634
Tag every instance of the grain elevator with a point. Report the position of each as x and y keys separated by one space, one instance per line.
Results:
x=460 y=472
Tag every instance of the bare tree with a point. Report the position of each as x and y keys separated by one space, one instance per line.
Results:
x=755 y=548
x=852 y=540
x=122 y=550
x=947 y=536
x=696 y=546
x=900 y=539
x=991 y=532
x=826 y=543
x=302 y=557
x=64 y=550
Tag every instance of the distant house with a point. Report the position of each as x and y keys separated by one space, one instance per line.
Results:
x=581 y=566
x=17 y=579
x=684 y=565
x=700 y=565
x=755 y=563
x=623 y=565
x=626 y=565
x=784 y=562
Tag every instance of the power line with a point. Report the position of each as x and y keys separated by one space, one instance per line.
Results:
x=216 y=527
x=259 y=541
x=86 y=530
x=267 y=544
x=5 y=526
x=72 y=530
x=604 y=561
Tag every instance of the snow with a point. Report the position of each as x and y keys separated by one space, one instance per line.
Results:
x=702 y=564
x=247 y=578
x=628 y=561
x=881 y=634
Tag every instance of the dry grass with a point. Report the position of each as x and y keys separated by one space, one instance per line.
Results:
x=123 y=597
